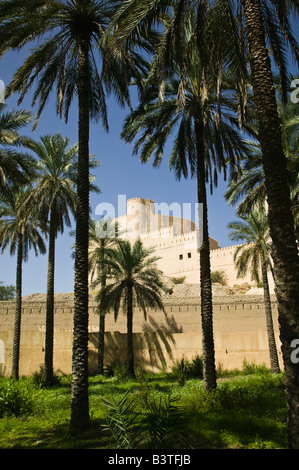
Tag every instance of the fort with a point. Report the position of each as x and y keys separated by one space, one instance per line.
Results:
x=164 y=336
x=176 y=240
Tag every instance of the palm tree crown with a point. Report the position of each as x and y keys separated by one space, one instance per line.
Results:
x=55 y=190
x=15 y=165
x=15 y=219
x=55 y=61
x=254 y=230
x=132 y=267
x=103 y=236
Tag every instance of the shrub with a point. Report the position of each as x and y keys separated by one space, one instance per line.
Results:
x=114 y=369
x=256 y=392
x=219 y=276
x=162 y=422
x=16 y=397
x=252 y=368
x=123 y=422
x=178 y=280
x=185 y=369
x=39 y=378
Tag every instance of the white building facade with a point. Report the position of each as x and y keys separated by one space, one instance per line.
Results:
x=176 y=241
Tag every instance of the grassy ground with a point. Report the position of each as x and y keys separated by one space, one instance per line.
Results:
x=247 y=411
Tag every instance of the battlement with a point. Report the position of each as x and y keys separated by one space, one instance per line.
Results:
x=141 y=200
x=186 y=236
x=226 y=249
x=164 y=232
x=139 y=203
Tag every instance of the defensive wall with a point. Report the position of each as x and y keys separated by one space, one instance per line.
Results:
x=239 y=332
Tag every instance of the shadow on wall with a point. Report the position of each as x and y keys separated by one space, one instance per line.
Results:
x=153 y=348
x=159 y=340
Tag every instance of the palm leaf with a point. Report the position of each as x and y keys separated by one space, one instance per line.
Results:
x=123 y=422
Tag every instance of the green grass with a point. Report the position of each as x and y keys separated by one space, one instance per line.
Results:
x=247 y=410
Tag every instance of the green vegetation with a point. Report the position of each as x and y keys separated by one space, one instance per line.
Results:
x=219 y=276
x=205 y=58
x=247 y=410
x=178 y=280
x=7 y=292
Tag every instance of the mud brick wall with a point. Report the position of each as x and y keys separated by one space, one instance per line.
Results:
x=239 y=332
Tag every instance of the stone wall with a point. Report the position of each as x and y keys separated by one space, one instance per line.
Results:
x=239 y=331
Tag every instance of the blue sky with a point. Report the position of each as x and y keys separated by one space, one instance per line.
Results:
x=119 y=173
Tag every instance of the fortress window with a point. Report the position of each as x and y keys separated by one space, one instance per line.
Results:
x=189 y=255
x=181 y=256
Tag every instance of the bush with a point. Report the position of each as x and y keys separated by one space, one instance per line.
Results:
x=39 y=378
x=252 y=368
x=178 y=280
x=114 y=369
x=185 y=369
x=16 y=397
x=219 y=276
x=256 y=392
x=161 y=422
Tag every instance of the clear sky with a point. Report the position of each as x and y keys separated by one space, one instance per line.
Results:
x=119 y=173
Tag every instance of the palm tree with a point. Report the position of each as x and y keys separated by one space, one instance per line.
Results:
x=103 y=236
x=272 y=19
x=69 y=59
x=15 y=166
x=20 y=230
x=207 y=142
x=255 y=256
x=133 y=280
x=53 y=197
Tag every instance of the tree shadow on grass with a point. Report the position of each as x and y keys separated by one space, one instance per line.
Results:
x=238 y=430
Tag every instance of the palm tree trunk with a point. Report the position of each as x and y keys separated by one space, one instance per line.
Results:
x=18 y=313
x=100 y=365
x=274 y=363
x=79 y=401
x=281 y=222
x=209 y=370
x=130 y=347
x=49 y=340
